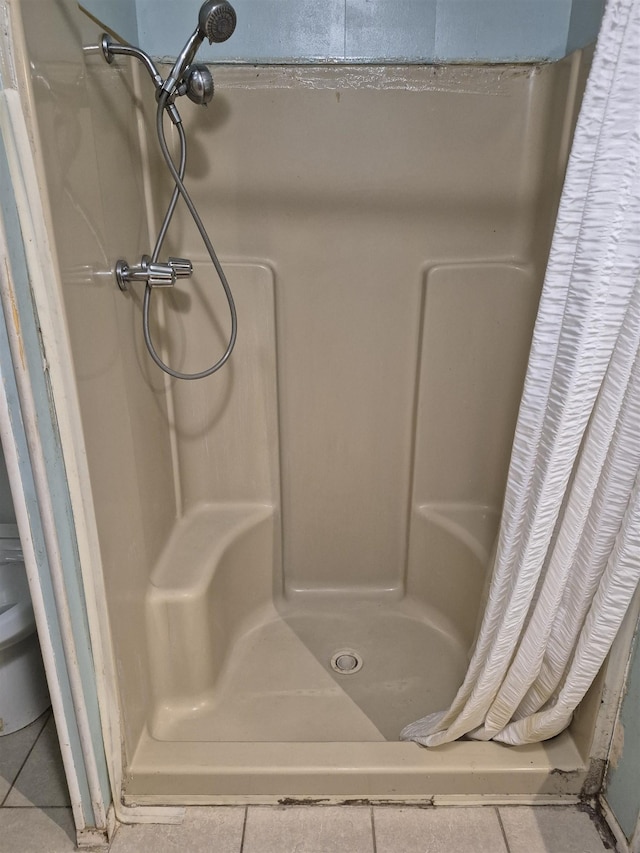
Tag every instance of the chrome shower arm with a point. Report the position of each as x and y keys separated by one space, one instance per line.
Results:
x=111 y=48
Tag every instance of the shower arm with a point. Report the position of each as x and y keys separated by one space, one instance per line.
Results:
x=111 y=48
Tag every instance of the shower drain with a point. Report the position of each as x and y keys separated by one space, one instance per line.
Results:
x=346 y=662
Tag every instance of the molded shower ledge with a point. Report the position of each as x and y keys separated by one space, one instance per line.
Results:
x=325 y=773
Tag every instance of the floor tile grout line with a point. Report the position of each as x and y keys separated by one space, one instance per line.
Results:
x=502 y=829
x=47 y=715
x=373 y=831
x=244 y=827
x=38 y=808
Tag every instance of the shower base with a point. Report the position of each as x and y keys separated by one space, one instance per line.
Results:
x=278 y=683
x=250 y=710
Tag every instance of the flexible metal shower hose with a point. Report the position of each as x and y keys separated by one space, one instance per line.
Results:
x=180 y=190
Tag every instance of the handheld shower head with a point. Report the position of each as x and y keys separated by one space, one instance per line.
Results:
x=216 y=22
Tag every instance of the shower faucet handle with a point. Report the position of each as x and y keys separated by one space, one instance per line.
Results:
x=182 y=267
x=159 y=275
x=152 y=274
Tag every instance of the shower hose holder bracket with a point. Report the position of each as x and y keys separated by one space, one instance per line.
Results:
x=152 y=274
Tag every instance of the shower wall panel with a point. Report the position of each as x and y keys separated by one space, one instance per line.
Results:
x=357 y=186
x=475 y=317
x=92 y=173
x=228 y=452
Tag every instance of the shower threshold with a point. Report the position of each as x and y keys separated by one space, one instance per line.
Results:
x=202 y=773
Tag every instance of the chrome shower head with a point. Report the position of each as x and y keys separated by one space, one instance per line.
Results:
x=217 y=20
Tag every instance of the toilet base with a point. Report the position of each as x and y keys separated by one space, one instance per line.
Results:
x=24 y=695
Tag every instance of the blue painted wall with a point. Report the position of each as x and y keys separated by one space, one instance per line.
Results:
x=365 y=30
x=584 y=22
x=119 y=16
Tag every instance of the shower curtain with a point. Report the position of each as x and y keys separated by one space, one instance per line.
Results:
x=568 y=554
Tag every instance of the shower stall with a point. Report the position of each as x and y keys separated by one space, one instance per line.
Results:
x=293 y=552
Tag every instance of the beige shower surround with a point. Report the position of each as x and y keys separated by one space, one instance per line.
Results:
x=338 y=484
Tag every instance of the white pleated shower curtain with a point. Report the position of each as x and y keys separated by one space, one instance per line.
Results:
x=568 y=554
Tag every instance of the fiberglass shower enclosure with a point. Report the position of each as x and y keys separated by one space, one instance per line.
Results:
x=293 y=552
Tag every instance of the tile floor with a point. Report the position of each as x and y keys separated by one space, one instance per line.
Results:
x=35 y=818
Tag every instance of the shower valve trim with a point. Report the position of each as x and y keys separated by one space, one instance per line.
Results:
x=153 y=274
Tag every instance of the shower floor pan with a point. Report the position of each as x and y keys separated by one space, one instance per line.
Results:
x=282 y=726
x=279 y=682
x=327 y=746
x=252 y=706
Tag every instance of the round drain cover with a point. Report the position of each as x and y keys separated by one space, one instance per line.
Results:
x=346 y=662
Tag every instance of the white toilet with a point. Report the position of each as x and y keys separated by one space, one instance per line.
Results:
x=23 y=687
